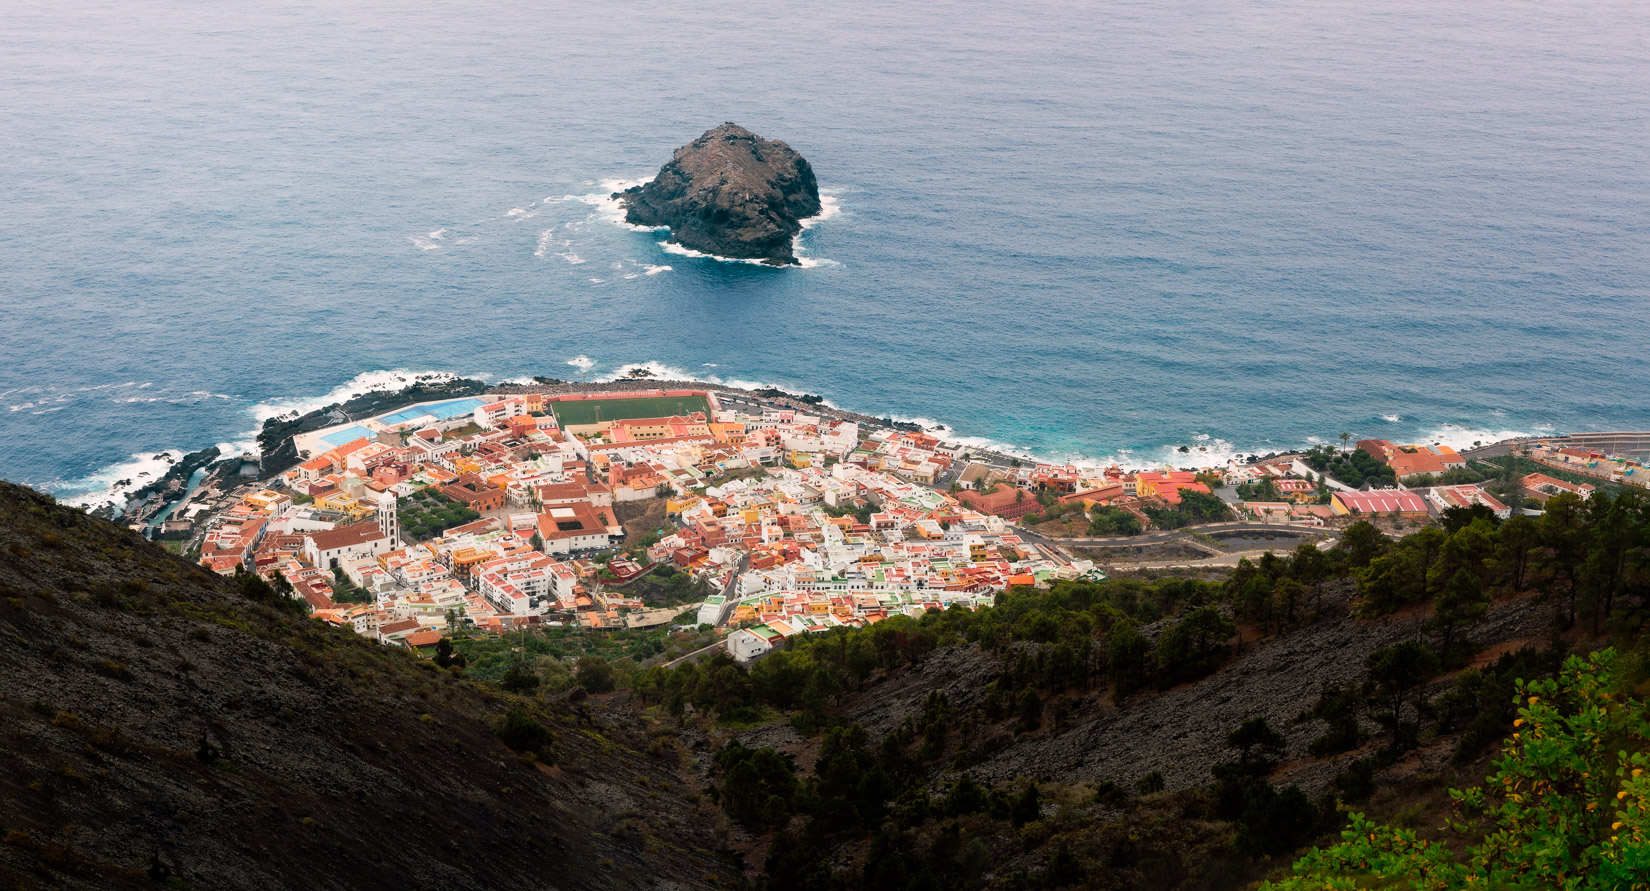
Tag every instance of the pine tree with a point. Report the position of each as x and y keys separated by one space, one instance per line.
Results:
x=1461 y=600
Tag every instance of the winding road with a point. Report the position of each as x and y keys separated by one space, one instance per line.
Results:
x=1173 y=534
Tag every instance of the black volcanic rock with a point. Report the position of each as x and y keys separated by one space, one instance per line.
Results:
x=730 y=193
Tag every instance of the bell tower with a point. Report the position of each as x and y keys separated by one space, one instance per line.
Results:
x=389 y=522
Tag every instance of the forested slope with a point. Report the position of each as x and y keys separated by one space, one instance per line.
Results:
x=1138 y=734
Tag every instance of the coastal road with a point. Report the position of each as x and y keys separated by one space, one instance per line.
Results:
x=1225 y=561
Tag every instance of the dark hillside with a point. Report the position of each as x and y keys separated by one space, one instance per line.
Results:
x=163 y=730
x=1179 y=733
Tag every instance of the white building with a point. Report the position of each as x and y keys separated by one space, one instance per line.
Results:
x=748 y=643
x=331 y=549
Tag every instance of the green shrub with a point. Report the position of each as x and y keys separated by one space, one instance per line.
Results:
x=521 y=733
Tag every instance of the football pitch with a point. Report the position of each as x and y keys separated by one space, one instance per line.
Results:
x=595 y=411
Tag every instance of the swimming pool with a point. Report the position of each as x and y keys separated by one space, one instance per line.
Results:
x=348 y=434
x=441 y=411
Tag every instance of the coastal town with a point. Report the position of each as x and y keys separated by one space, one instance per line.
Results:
x=770 y=518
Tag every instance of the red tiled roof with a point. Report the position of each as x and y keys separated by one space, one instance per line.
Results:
x=345 y=536
x=1382 y=501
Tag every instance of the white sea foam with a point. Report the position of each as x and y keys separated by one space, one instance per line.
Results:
x=927 y=424
x=654 y=270
x=828 y=209
x=671 y=247
x=1458 y=436
x=516 y=212
x=43 y=401
x=655 y=371
x=1392 y=419
x=366 y=382
x=1201 y=452
x=423 y=243
x=438 y=233
x=608 y=207
x=582 y=363
x=547 y=240
x=114 y=484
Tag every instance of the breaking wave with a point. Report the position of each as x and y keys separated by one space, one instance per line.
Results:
x=112 y=484
x=608 y=207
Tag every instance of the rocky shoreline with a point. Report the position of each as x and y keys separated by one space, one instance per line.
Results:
x=278 y=454
x=154 y=497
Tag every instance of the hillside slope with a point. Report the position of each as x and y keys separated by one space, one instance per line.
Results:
x=163 y=730
x=1178 y=733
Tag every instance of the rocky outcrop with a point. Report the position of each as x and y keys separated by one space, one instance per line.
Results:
x=730 y=193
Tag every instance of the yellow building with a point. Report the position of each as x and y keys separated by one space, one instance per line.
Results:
x=643 y=429
x=465 y=560
x=680 y=503
x=266 y=500
x=344 y=503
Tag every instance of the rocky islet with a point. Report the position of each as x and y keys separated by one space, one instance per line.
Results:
x=732 y=194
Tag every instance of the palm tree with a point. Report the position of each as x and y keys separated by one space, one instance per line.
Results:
x=1345 y=437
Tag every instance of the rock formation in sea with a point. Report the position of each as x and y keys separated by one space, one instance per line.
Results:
x=730 y=193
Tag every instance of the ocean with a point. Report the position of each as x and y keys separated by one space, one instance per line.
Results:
x=1089 y=231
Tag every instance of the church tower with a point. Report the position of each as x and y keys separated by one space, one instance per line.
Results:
x=389 y=522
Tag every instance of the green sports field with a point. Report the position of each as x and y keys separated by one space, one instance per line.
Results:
x=593 y=411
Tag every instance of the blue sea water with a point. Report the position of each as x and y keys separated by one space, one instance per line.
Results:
x=1099 y=229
